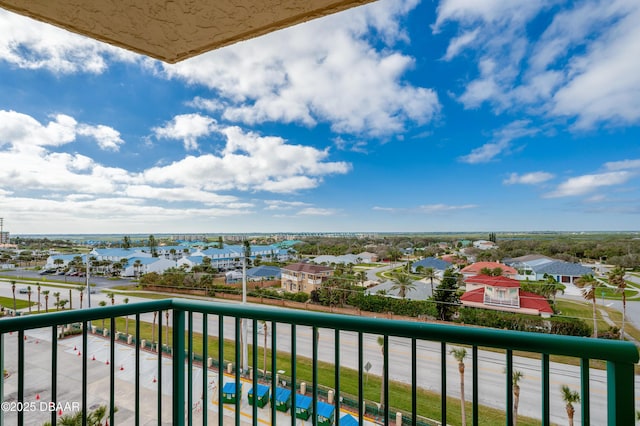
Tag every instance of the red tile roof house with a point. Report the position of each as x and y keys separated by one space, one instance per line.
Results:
x=503 y=294
x=304 y=277
x=475 y=268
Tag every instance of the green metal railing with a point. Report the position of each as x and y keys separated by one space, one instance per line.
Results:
x=188 y=315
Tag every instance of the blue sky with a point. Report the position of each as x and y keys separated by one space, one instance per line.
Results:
x=403 y=115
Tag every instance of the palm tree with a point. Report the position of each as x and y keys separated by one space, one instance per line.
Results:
x=516 y=377
x=126 y=318
x=81 y=291
x=381 y=344
x=102 y=303
x=588 y=284
x=430 y=273
x=460 y=354
x=46 y=300
x=570 y=397
x=29 y=296
x=13 y=289
x=551 y=287
x=112 y=297
x=136 y=267
x=39 y=288
x=403 y=283
x=616 y=277
x=362 y=276
x=57 y=296
x=70 y=300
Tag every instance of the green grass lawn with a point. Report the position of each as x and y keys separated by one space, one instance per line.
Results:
x=7 y=302
x=428 y=402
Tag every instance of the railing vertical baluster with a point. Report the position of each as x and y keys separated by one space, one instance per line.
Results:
x=443 y=382
x=159 y=378
x=360 y=374
x=509 y=371
x=137 y=378
x=584 y=391
x=2 y=381
x=220 y=368
x=620 y=393
x=189 y=370
x=254 y=370
x=178 y=367
x=385 y=363
x=238 y=367
x=54 y=370
x=475 y=387
x=274 y=368
x=205 y=369
x=336 y=396
x=85 y=389
x=545 y=391
x=21 y=375
x=314 y=374
x=293 y=375
x=112 y=370
x=414 y=382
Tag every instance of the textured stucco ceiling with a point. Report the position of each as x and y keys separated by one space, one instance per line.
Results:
x=173 y=30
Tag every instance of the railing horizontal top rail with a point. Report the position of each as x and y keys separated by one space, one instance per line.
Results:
x=581 y=347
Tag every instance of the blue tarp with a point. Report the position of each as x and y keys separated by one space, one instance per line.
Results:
x=282 y=394
x=303 y=402
x=348 y=420
x=325 y=410
x=262 y=390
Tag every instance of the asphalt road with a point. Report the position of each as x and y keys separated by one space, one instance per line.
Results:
x=491 y=365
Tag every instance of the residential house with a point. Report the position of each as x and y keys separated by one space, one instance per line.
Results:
x=503 y=294
x=484 y=245
x=189 y=262
x=438 y=265
x=143 y=265
x=304 y=277
x=477 y=267
x=536 y=267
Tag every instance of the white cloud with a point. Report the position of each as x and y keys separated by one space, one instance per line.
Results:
x=21 y=132
x=622 y=165
x=459 y=43
x=443 y=208
x=582 y=67
x=584 y=184
x=29 y=44
x=188 y=128
x=107 y=137
x=178 y=194
x=315 y=211
x=501 y=142
x=250 y=162
x=326 y=70
x=283 y=205
x=532 y=178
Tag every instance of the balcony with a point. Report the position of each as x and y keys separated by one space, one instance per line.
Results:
x=354 y=363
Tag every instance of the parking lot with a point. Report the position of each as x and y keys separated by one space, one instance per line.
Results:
x=69 y=382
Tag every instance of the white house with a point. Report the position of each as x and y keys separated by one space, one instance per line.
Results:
x=143 y=265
